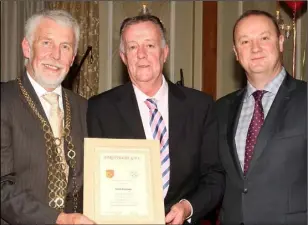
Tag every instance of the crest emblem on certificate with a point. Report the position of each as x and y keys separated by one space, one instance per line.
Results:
x=109 y=173
x=134 y=174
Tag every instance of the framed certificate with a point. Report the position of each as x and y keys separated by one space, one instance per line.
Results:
x=122 y=181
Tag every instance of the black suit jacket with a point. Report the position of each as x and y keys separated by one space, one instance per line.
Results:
x=195 y=170
x=274 y=190
x=24 y=192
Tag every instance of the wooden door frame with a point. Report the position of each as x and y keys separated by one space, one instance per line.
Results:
x=209 y=48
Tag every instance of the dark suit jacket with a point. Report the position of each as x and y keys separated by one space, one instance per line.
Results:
x=195 y=171
x=274 y=190
x=24 y=192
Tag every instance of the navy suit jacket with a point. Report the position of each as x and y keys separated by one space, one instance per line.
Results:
x=195 y=171
x=274 y=190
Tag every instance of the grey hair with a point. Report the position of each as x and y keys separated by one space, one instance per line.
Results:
x=59 y=16
x=139 y=19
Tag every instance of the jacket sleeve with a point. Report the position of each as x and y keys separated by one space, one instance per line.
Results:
x=212 y=176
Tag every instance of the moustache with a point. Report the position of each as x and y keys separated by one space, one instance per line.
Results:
x=54 y=64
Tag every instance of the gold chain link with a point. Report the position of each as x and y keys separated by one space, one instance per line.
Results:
x=56 y=170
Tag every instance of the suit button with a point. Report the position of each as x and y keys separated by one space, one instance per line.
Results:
x=241 y=223
x=245 y=190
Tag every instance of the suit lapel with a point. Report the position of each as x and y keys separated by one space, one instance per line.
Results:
x=75 y=133
x=177 y=115
x=275 y=115
x=128 y=108
x=233 y=118
x=28 y=86
x=65 y=117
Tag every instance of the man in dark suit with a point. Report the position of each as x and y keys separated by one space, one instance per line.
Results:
x=42 y=140
x=193 y=180
x=263 y=132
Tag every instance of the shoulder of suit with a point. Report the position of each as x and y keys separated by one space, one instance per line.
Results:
x=8 y=88
x=74 y=95
x=77 y=101
x=299 y=92
x=8 y=84
x=229 y=97
x=190 y=93
x=10 y=94
x=301 y=84
x=112 y=94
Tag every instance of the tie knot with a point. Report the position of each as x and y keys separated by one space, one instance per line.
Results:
x=52 y=98
x=258 y=95
x=151 y=103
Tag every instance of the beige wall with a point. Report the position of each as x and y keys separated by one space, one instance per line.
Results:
x=229 y=73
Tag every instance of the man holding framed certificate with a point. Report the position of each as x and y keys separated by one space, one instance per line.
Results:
x=180 y=118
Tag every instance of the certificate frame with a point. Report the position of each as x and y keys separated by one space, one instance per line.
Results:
x=100 y=181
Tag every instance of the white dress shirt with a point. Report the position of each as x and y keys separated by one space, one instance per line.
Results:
x=248 y=108
x=40 y=91
x=161 y=98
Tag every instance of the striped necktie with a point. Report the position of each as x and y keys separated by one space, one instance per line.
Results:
x=159 y=132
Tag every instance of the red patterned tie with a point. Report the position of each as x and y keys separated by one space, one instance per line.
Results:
x=254 y=128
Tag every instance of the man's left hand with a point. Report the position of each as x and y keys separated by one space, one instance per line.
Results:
x=178 y=213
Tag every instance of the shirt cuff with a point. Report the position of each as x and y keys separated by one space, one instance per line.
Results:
x=191 y=211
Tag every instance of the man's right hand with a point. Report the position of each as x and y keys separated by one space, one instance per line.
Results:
x=73 y=218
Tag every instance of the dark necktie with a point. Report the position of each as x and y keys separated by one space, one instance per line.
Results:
x=254 y=128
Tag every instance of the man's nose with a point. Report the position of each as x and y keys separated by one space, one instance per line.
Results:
x=255 y=46
x=56 y=52
x=141 y=52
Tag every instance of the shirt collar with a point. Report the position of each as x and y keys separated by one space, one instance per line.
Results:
x=40 y=91
x=271 y=88
x=163 y=90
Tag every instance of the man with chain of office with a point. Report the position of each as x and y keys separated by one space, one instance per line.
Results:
x=42 y=129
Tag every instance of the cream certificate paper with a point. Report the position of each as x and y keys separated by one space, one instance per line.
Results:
x=122 y=181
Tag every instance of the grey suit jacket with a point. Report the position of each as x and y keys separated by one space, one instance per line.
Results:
x=274 y=190
x=24 y=192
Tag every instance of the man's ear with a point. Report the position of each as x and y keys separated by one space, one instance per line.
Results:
x=73 y=59
x=166 y=52
x=123 y=57
x=26 y=48
x=235 y=52
x=281 y=41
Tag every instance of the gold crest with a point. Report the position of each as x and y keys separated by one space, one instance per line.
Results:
x=109 y=173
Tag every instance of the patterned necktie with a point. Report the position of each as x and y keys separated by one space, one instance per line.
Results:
x=58 y=172
x=159 y=132
x=254 y=128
